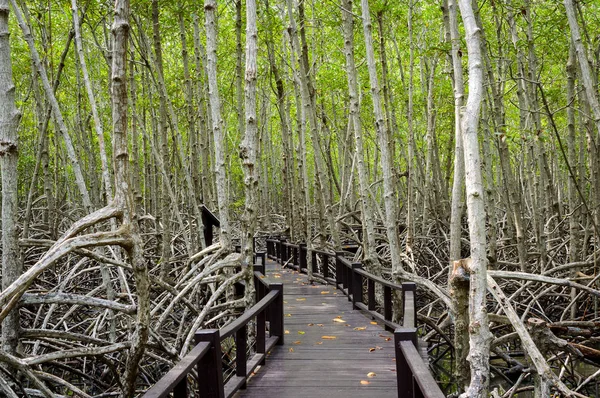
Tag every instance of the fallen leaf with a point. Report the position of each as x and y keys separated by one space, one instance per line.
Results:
x=361 y=328
x=319 y=343
x=328 y=337
x=288 y=315
x=347 y=325
x=291 y=349
x=300 y=299
x=301 y=332
x=388 y=338
x=373 y=323
x=311 y=324
x=363 y=382
x=371 y=374
x=324 y=292
x=338 y=320
x=297 y=342
x=338 y=317
x=284 y=302
x=320 y=324
x=287 y=332
x=371 y=349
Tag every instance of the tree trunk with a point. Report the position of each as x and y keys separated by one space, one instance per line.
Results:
x=12 y=267
x=479 y=333
x=210 y=11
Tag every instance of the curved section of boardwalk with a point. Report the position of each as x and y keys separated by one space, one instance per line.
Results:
x=330 y=350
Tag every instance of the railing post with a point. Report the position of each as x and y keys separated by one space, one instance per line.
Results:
x=387 y=304
x=210 y=372
x=284 y=252
x=325 y=263
x=357 y=282
x=409 y=304
x=241 y=347
x=302 y=249
x=261 y=320
x=181 y=389
x=313 y=254
x=338 y=268
x=276 y=316
x=406 y=388
x=371 y=294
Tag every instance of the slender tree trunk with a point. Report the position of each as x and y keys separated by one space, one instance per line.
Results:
x=12 y=267
x=91 y=97
x=248 y=148
x=461 y=322
x=410 y=196
x=210 y=11
x=480 y=336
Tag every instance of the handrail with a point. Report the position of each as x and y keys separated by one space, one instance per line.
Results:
x=206 y=355
x=413 y=375
x=243 y=320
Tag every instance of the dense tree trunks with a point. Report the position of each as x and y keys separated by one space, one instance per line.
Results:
x=369 y=244
x=591 y=92
x=210 y=11
x=479 y=332
x=106 y=178
x=51 y=98
x=383 y=137
x=12 y=266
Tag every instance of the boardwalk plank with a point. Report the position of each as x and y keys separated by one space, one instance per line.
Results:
x=329 y=348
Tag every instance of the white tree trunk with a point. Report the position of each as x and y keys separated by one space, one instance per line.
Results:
x=248 y=148
x=9 y=121
x=210 y=11
x=480 y=336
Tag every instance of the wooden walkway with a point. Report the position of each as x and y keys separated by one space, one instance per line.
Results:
x=330 y=350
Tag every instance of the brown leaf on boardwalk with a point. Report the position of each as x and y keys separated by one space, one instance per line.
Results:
x=297 y=342
x=361 y=328
x=373 y=323
x=288 y=315
x=328 y=337
x=371 y=374
x=388 y=338
x=371 y=349
x=338 y=320
x=311 y=324
x=319 y=343
x=300 y=299
x=365 y=382
x=320 y=324
x=291 y=349
x=324 y=292
x=287 y=332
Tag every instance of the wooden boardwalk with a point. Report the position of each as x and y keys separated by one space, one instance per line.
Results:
x=330 y=350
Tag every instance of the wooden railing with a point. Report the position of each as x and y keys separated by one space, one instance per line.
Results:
x=206 y=355
x=413 y=375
